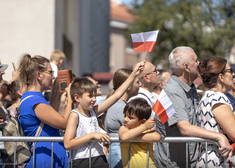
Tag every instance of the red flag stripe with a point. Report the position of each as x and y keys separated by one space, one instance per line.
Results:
x=146 y=46
x=160 y=111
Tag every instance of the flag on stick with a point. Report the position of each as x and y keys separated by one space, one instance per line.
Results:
x=163 y=107
x=145 y=41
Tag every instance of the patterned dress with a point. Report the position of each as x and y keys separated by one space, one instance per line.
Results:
x=207 y=120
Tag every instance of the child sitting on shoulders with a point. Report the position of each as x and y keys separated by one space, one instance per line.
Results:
x=83 y=125
x=137 y=125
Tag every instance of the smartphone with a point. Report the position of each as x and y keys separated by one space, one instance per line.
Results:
x=64 y=79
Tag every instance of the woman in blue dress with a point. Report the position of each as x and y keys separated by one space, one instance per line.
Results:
x=36 y=75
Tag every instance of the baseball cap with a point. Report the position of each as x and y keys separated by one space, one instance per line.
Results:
x=3 y=67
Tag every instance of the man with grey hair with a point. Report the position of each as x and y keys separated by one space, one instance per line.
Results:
x=183 y=95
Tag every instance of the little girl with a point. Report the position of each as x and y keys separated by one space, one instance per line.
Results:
x=83 y=125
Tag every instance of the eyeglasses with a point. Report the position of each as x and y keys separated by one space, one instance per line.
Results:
x=230 y=70
x=155 y=71
x=47 y=71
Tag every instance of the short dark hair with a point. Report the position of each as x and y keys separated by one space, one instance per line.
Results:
x=82 y=85
x=138 y=107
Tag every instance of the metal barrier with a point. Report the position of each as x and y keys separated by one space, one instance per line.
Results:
x=113 y=139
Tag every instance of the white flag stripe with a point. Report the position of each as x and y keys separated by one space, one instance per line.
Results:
x=145 y=36
x=166 y=103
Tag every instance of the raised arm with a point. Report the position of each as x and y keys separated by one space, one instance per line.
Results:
x=49 y=116
x=120 y=91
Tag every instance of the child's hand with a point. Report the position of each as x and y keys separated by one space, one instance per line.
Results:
x=139 y=68
x=150 y=123
x=101 y=137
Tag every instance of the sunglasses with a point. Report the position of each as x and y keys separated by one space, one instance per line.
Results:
x=230 y=70
x=155 y=71
x=47 y=71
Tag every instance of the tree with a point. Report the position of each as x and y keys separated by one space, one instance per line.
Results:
x=205 y=25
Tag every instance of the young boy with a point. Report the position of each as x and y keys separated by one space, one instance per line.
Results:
x=83 y=125
x=137 y=125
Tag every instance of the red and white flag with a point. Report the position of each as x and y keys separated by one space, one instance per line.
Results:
x=145 y=41
x=163 y=107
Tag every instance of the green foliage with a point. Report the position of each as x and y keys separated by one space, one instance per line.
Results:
x=205 y=25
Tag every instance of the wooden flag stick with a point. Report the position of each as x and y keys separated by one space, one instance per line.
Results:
x=146 y=56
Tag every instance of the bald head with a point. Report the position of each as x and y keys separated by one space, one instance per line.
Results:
x=149 y=76
x=178 y=57
x=148 y=67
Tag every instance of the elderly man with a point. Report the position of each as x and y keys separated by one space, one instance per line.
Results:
x=148 y=79
x=183 y=95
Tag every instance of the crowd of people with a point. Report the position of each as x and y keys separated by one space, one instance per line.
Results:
x=81 y=114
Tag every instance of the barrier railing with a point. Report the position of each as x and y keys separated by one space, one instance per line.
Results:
x=113 y=139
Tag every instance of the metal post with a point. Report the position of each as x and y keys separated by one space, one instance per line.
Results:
x=52 y=145
x=89 y=155
x=14 y=154
x=167 y=154
x=110 y=155
x=33 y=156
x=206 y=153
x=148 y=156
x=186 y=155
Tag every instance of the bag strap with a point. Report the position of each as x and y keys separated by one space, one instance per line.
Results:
x=145 y=96
x=18 y=108
x=39 y=130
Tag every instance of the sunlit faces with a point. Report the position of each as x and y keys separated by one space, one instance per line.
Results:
x=152 y=74
x=165 y=77
x=87 y=101
x=193 y=66
x=228 y=77
x=47 y=77
x=134 y=88
x=131 y=121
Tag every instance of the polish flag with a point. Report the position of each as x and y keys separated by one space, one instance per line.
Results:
x=163 y=107
x=144 y=42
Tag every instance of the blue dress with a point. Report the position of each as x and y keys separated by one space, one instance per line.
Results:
x=30 y=123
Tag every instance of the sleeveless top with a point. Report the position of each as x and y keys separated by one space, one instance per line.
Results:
x=207 y=121
x=86 y=125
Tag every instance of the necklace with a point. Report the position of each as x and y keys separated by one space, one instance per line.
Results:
x=124 y=100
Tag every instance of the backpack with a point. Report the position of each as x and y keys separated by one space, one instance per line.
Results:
x=13 y=128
